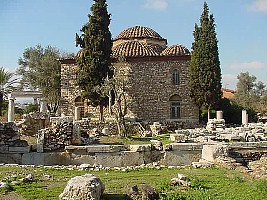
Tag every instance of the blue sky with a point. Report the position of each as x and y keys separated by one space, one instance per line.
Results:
x=241 y=28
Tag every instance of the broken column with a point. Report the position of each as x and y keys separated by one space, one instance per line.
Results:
x=244 y=117
x=76 y=135
x=219 y=114
x=77 y=113
x=43 y=106
x=40 y=141
x=10 y=116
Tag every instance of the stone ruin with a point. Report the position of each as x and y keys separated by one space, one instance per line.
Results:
x=31 y=123
x=8 y=133
x=66 y=141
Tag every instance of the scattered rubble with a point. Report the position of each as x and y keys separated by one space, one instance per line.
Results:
x=181 y=179
x=146 y=192
x=258 y=168
x=8 y=133
x=32 y=122
x=216 y=132
x=157 y=129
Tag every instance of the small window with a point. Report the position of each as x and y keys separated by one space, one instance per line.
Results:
x=175 y=110
x=175 y=77
x=175 y=107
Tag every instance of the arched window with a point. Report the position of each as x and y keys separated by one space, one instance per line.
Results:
x=175 y=107
x=175 y=77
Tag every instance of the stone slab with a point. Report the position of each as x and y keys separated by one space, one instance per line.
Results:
x=10 y=158
x=96 y=148
x=186 y=146
x=3 y=149
x=211 y=152
x=180 y=158
x=19 y=149
x=245 y=145
x=53 y=158
x=140 y=148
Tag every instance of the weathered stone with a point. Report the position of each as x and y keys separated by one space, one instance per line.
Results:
x=86 y=187
x=186 y=146
x=140 y=148
x=178 y=137
x=146 y=193
x=3 y=148
x=19 y=149
x=157 y=145
x=28 y=179
x=211 y=152
x=96 y=148
x=32 y=122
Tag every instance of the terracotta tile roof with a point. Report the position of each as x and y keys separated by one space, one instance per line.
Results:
x=138 y=32
x=133 y=49
x=228 y=93
x=176 y=50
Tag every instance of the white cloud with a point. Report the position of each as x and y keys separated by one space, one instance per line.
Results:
x=258 y=6
x=229 y=81
x=255 y=65
x=156 y=4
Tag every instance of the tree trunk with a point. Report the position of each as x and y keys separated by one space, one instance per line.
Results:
x=208 y=113
x=101 y=110
x=1 y=103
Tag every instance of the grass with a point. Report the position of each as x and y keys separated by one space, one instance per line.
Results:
x=213 y=183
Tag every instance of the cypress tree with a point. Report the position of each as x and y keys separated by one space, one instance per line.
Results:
x=205 y=72
x=94 y=58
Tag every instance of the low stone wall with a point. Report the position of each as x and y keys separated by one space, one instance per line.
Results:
x=175 y=154
x=242 y=152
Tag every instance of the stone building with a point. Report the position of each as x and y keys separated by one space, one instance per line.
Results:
x=158 y=77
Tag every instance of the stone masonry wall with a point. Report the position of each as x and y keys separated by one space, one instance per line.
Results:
x=150 y=89
x=69 y=91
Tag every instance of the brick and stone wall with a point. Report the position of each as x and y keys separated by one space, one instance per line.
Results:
x=69 y=90
x=151 y=88
x=149 y=91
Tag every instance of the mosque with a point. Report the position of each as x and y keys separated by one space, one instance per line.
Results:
x=158 y=77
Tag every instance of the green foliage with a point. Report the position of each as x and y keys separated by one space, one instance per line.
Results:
x=6 y=85
x=232 y=112
x=117 y=87
x=40 y=69
x=205 y=72
x=251 y=95
x=30 y=108
x=94 y=58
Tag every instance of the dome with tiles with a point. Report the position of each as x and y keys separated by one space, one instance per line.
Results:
x=138 y=32
x=176 y=50
x=133 y=49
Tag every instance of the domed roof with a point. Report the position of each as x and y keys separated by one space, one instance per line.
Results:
x=132 y=49
x=176 y=50
x=156 y=47
x=138 y=32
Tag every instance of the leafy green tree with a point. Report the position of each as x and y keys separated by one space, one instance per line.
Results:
x=260 y=88
x=117 y=88
x=30 y=108
x=245 y=95
x=251 y=95
x=94 y=60
x=40 y=70
x=205 y=71
x=6 y=85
